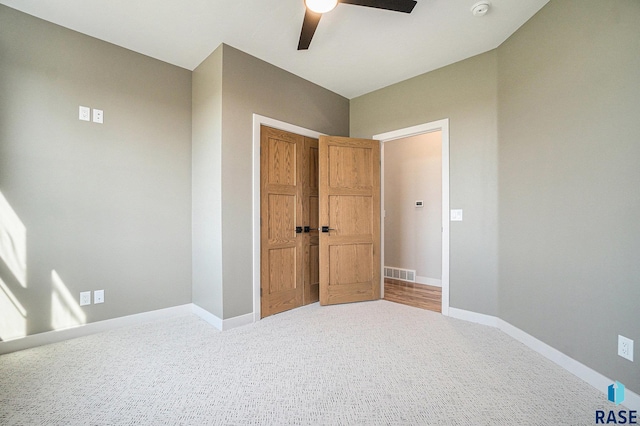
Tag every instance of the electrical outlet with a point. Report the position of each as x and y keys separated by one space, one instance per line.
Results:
x=98 y=116
x=98 y=296
x=85 y=298
x=456 y=215
x=625 y=347
x=85 y=113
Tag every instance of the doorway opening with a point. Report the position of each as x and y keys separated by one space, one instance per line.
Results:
x=442 y=127
x=413 y=221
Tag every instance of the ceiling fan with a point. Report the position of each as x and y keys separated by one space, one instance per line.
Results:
x=315 y=9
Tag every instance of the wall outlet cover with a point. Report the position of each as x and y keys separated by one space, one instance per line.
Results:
x=98 y=116
x=98 y=296
x=625 y=347
x=85 y=113
x=456 y=215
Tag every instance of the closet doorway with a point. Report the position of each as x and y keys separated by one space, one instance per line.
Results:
x=316 y=219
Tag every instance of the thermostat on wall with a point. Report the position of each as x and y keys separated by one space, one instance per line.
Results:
x=420 y=203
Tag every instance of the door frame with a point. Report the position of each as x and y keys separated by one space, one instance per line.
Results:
x=259 y=120
x=434 y=126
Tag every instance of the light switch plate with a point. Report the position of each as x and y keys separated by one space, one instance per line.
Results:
x=98 y=296
x=85 y=298
x=456 y=215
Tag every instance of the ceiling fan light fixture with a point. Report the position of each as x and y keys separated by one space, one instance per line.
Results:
x=321 y=6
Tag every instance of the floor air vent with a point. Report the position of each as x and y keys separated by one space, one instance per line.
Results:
x=400 y=274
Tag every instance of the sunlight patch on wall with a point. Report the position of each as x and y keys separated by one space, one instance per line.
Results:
x=65 y=310
x=13 y=241
x=13 y=316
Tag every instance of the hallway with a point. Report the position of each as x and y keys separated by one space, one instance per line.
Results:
x=417 y=295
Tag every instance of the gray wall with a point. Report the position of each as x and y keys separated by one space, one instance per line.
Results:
x=254 y=86
x=413 y=235
x=563 y=93
x=105 y=206
x=207 y=183
x=249 y=86
x=466 y=93
x=569 y=123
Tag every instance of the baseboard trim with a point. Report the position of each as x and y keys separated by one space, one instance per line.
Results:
x=473 y=317
x=207 y=316
x=56 y=336
x=433 y=282
x=587 y=374
x=238 y=321
x=219 y=323
x=91 y=328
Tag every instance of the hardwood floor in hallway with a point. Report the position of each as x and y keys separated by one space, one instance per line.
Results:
x=416 y=295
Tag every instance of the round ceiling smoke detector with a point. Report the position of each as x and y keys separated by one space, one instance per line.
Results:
x=481 y=8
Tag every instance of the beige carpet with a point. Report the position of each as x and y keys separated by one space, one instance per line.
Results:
x=374 y=363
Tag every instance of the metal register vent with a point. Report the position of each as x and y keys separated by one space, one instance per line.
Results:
x=400 y=274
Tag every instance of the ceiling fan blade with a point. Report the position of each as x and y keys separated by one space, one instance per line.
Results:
x=405 y=6
x=309 y=25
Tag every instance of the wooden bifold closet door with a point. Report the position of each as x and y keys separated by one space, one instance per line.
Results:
x=289 y=265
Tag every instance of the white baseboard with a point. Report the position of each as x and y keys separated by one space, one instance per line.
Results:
x=473 y=317
x=219 y=323
x=434 y=282
x=238 y=321
x=631 y=400
x=91 y=328
x=595 y=379
x=99 y=326
x=207 y=316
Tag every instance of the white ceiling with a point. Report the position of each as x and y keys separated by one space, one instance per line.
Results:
x=355 y=49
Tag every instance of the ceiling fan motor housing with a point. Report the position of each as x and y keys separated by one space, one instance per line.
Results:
x=315 y=9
